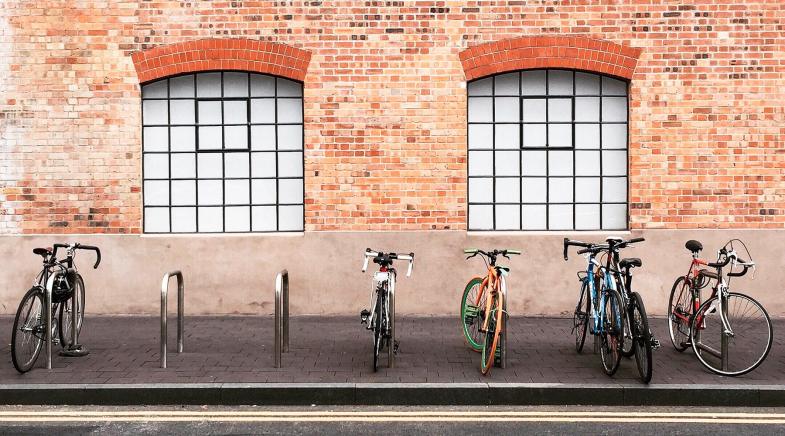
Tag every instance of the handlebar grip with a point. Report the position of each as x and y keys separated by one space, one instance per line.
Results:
x=97 y=253
x=513 y=251
x=566 y=241
x=411 y=266
x=469 y=250
x=740 y=273
x=633 y=240
x=365 y=263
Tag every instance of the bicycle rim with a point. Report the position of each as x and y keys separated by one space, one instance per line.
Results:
x=580 y=318
x=472 y=315
x=680 y=303
x=641 y=338
x=610 y=346
x=66 y=312
x=27 y=337
x=492 y=334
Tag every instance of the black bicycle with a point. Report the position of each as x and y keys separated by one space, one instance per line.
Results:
x=68 y=299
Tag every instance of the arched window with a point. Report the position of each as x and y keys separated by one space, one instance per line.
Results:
x=223 y=152
x=547 y=151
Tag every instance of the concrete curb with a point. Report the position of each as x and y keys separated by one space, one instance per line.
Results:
x=392 y=394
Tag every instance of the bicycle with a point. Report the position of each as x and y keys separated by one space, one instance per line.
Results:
x=484 y=318
x=68 y=298
x=731 y=315
x=382 y=319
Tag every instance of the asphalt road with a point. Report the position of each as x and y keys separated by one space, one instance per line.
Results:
x=388 y=421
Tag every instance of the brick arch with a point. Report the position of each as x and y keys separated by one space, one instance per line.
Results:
x=529 y=52
x=221 y=54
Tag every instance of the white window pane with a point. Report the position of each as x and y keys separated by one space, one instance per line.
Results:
x=155 y=112
x=235 y=84
x=183 y=165
x=154 y=90
x=533 y=217
x=290 y=164
x=534 y=110
x=614 y=136
x=560 y=189
x=480 y=109
x=508 y=136
x=614 y=189
x=208 y=85
x=614 y=216
x=560 y=135
x=263 y=137
x=210 y=166
x=559 y=109
x=560 y=217
x=560 y=163
x=156 y=219
x=290 y=137
x=238 y=219
x=156 y=193
x=507 y=163
x=236 y=137
x=508 y=217
x=587 y=190
x=210 y=138
x=508 y=190
x=210 y=192
x=211 y=219
x=262 y=164
x=587 y=136
x=534 y=163
x=183 y=138
x=236 y=165
x=559 y=82
x=210 y=112
x=614 y=163
x=481 y=87
x=290 y=110
x=587 y=109
x=614 y=108
x=263 y=110
x=507 y=109
x=237 y=191
x=534 y=190
x=480 y=163
x=480 y=190
x=263 y=218
x=156 y=166
x=480 y=217
x=262 y=86
x=156 y=138
x=506 y=84
x=288 y=88
x=182 y=112
x=184 y=219
x=534 y=135
x=290 y=191
x=480 y=136
x=587 y=84
x=235 y=112
x=263 y=191
x=290 y=217
x=587 y=163
x=182 y=86
x=184 y=192
x=613 y=86
x=587 y=216
x=533 y=82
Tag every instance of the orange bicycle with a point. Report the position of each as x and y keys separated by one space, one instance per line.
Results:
x=483 y=313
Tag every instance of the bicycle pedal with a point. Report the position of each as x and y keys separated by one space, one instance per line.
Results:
x=654 y=343
x=395 y=347
x=364 y=315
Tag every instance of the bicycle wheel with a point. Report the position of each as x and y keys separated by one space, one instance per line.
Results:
x=612 y=331
x=377 y=328
x=580 y=318
x=27 y=338
x=66 y=311
x=495 y=326
x=679 y=313
x=472 y=315
x=747 y=347
x=641 y=337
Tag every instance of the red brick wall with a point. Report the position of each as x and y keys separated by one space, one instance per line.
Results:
x=385 y=105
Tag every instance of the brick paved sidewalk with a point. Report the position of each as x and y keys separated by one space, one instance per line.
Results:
x=338 y=350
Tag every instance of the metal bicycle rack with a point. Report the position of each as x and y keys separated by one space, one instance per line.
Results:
x=180 y=312
x=281 y=316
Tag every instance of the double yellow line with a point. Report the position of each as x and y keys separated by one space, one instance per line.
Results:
x=388 y=416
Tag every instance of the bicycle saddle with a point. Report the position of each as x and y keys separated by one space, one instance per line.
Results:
x=42 y=251
x=630 y=262
x=693 y=245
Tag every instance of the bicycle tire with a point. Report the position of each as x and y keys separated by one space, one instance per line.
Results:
x=641 y=337
x=679 y=339
x=612 y=319
x=22 y=363
x=64 y=320
x=701 y=315
x=377 y=329
x=472 y=316
x=495 y=326
x=580 y=318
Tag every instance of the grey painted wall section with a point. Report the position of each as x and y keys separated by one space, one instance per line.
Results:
x=235 y=274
